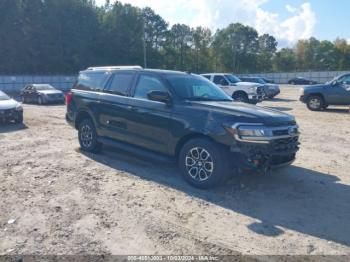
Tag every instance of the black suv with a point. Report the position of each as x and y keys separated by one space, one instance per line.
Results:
x=179 y=117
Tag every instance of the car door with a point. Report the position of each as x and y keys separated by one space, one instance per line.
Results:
x=222 y=82
x=149 y=122
x=339 y=92
x=27 y=94
x=33 y=94
x=114 y=106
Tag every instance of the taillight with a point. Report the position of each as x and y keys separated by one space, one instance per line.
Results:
x=68 y=98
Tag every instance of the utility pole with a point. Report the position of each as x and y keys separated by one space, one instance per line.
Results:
x=144 y=46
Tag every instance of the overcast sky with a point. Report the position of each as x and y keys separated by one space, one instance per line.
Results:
x=287 y=20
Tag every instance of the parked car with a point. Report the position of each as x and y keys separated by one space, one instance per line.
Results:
x=301 y=81
x=10 y=109
x=267 y=80
x=233 y=86
x=175 y=116
x=42 y=94
x=335 y=92
x=270 y=90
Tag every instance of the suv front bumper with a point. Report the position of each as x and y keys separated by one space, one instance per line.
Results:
x=254 y=98
x=264 y=156
x=8 y=115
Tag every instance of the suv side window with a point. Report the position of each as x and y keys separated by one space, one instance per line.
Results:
x=121 y=83
x=92 y=81
x=146 y=84
x=219 y=80
x=345 y=80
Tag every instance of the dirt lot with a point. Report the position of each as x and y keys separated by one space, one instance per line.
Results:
x=67 y=202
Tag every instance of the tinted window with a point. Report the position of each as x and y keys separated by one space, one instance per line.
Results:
x=233 y=79
x=147 y=84
x=345 y=80
x=220 y=80
x=120 y=84
x=196 y=88
x=92 y=81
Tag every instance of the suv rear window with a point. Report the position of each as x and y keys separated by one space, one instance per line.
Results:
x=92 y=81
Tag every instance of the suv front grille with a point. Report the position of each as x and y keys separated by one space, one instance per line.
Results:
x=6 y=112
x=286 y=144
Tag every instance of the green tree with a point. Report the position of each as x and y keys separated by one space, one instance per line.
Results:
x=266 y=52
x=284 y=60
x=236 y=47
x=178 y=47
x=122 y=34
x=202 y=55
x=155 y=32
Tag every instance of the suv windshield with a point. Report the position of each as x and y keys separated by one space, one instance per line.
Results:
x=259 y=80
x=3 y=96
x=196 y=88
x=44 y=87
x=233 y=79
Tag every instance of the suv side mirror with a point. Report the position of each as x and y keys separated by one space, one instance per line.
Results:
x=159 y=96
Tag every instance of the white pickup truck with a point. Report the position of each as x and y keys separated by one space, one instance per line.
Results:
x=241 y=91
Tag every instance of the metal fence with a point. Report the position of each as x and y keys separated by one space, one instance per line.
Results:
x=283 y=78
x=13 y=84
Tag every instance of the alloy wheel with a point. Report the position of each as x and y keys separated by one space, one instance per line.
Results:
x=315 y=103
x=199 y=164
x=86 y=136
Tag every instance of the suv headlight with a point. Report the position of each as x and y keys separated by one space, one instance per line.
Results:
x=302 y=91
x=258 y=133
x=253 y=89
x=253 y=131
x=19 y=108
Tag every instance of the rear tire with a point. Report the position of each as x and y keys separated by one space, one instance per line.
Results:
x=315 y=103
x=203 y=163
x=88 y=138
x=241 y=97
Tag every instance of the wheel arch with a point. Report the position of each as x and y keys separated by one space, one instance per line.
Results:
x=81 y=115
x=316 y=94
x=187 y=138
x=239 y=92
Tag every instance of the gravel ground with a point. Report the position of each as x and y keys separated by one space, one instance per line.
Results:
x=62 y=201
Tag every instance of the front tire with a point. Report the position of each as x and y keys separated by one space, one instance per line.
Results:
x=88 y=138
x=315 y=103
x=241 y=97
x=203 y=163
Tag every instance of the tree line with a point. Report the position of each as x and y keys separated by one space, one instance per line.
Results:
x=65 y=36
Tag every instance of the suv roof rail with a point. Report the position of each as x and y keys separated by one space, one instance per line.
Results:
x=113 y=67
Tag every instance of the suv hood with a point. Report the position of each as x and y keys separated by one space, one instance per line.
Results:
x=248 y=113
x=50 y=92
x=314 y=88
x=8 y=104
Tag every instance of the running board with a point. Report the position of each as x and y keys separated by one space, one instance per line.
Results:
x=137 y=150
